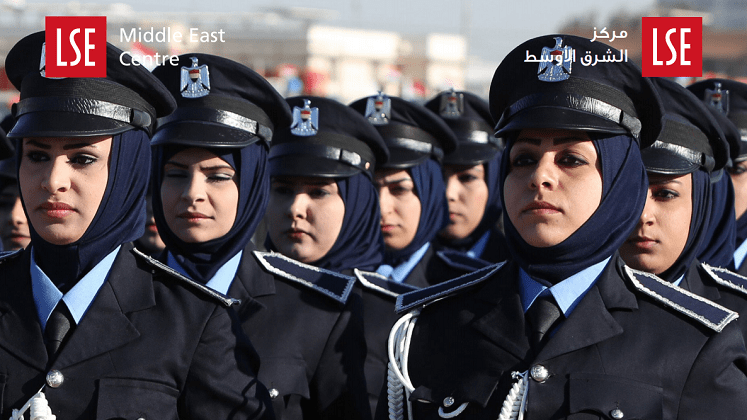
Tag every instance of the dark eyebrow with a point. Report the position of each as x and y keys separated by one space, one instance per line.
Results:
x=384 y=183
x=663 y=181
x=65 y=147
x=555 y=141
x=216 y=167
x=177 y=164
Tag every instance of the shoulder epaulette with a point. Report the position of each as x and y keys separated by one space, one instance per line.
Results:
x=727 y=278
x=460 y=260
x=335 y=285
x=9 y=255
x=199 y=287
x=382 y=285
x=422 y=297
x=708 y=313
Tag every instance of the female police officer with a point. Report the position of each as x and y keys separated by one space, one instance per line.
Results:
x=472 y=179
x=123 y=338
x=675 y=220
x=411 y=188
x=564 y=329
x=211 y=187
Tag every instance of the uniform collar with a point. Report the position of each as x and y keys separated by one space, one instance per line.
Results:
x=399 y=273
x=567 y=293
x=78 y=299
x=479 y=247
x=221 y=281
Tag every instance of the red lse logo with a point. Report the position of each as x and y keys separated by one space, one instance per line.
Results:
x=672 y=47
x=75 y=46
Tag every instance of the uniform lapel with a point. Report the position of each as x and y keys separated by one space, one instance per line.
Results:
x=503 y=324
x=20 y=331
x=591 y=321
x=105 y=326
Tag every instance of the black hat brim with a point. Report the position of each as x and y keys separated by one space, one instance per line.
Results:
x=666 y=162
x=66 y=124
x=401 y=158
x=301 y=165
x=202 y=134
x=560 y=118
x=470 y=154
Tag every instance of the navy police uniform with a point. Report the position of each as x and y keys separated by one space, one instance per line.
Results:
x=414 y=134
x=469 y=118
x=633 y=346
x=150 y=345
x=694 y=139
x=300 y=319
x=729 y=98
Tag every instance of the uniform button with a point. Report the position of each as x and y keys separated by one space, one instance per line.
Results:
x=540 y=373
x=274 y=393
x=55 y=378
x=141 y=418
x=617 y=414
x=448 y=402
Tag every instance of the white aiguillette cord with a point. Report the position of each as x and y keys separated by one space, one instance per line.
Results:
x=515 y=404
x=39 y=408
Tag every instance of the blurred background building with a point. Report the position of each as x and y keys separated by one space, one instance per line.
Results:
x=413 y=49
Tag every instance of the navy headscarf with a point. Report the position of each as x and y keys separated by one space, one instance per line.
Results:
x=493 y=208
x=120 y=217
x=624 y=191
x=719 y=244
x=742 y=229
x=698 y=226
x=434 y=209
x=359 y=243
x=202 y=260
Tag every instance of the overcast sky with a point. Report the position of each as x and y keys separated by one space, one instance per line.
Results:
x=495 y=26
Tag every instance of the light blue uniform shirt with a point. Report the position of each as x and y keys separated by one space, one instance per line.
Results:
x=739 y=255
x=77 y=299
x=567 y=293
x=222 y=279
x=400 y=272
x=479 y=246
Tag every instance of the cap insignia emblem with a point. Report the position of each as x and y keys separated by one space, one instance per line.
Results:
x=378 y=109
x=718 y=98
x=195 y=81
x=452 y=105
x=555 y=63
x=305 y=120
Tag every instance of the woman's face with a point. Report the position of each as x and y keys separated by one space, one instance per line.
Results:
x=400 y=207
x=200 y=195
x=738 y=175
x=664 y=226
x=467 y=195
x=62 y=183
x=554 y=184
x=304 y=216
x=14 y=227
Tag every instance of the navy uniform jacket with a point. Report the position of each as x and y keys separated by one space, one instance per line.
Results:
x=379 y=296
x=434 y=269
x=721 y=286
x=307 y=333
x=150 y=346
x=622 y=353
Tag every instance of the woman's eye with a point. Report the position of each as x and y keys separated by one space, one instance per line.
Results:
x=175 y=174
x=220 y=177
x=665 y=194
x=282 y=189
x=83 y=160
x=318 y=193
x=737 y=170
x=466 y=178
x=36 y=156
x=521 y=160
x=571 y=160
